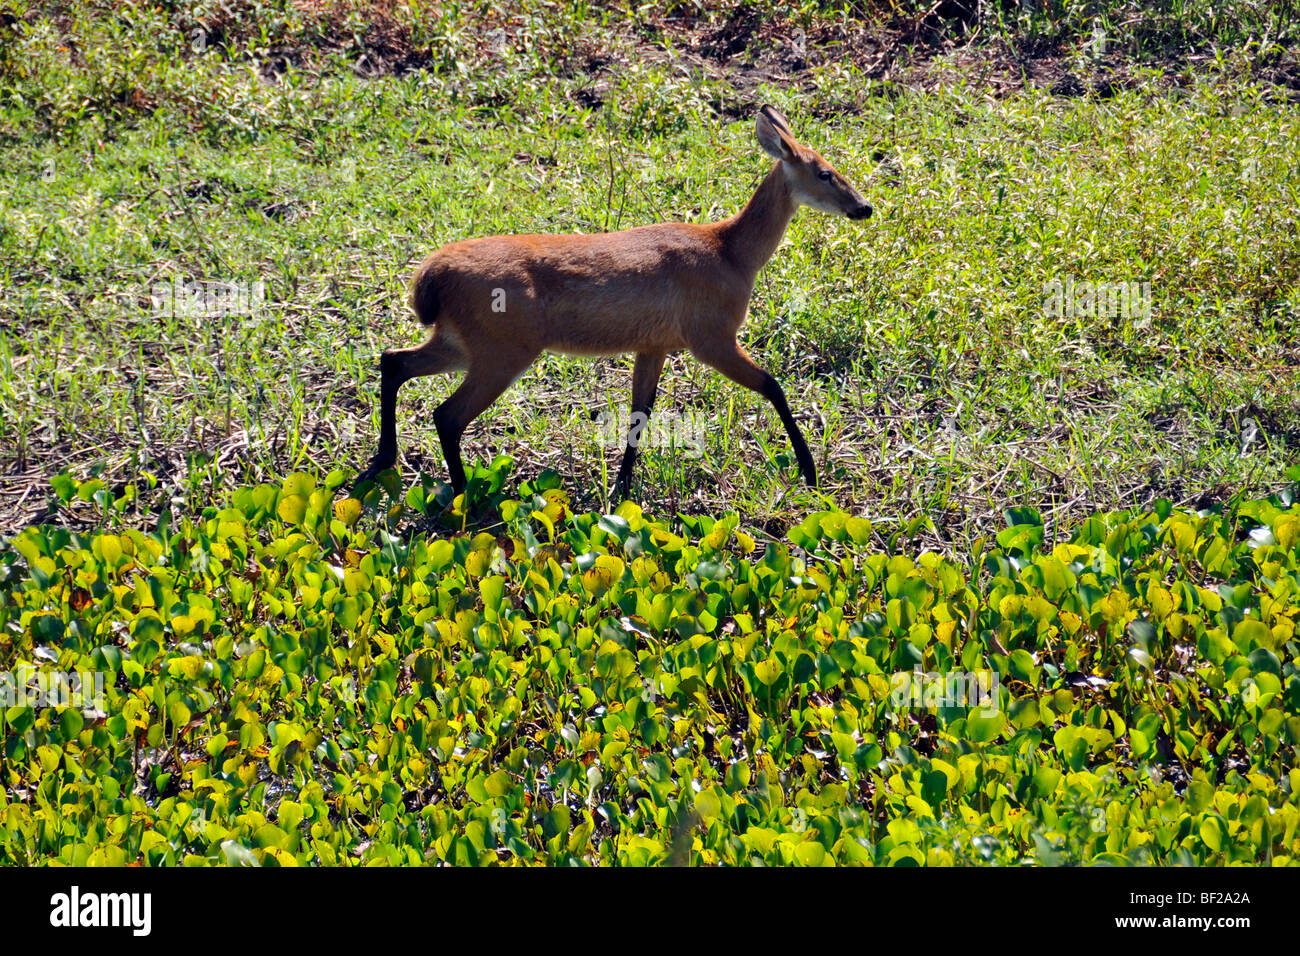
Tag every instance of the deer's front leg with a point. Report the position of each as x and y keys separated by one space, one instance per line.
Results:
x=732 y=361
x=645 y=385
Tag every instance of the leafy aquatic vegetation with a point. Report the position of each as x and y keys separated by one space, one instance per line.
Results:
x=302 y=677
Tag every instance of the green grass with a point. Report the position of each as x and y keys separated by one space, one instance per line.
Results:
x=915 y=347
x=160 y=520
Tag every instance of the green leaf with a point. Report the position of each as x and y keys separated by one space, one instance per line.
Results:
x=292 y=509
x=982 y=729
x=237 y=854
x=498 y=784
x=768 y=671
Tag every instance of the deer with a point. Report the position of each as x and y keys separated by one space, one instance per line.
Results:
x=495 y=304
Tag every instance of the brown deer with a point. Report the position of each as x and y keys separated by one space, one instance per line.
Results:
x=497 y=303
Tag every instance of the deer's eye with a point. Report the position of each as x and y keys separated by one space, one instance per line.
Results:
x=825 y=175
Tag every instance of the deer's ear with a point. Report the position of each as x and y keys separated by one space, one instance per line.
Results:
x=778 y=119
x=774 y=134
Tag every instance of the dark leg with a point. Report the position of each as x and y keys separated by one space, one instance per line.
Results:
x=732 y=361
x=481 y=387
x=645 y=385
x=396 y=367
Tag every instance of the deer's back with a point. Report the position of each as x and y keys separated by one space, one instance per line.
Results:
x=643 y=289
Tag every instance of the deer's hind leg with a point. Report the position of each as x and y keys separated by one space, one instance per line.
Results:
x=482 y=385
x=441 y=352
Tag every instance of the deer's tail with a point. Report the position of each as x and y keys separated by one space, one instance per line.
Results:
x=425 y=298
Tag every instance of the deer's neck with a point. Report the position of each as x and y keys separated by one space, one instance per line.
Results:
x=751 y=236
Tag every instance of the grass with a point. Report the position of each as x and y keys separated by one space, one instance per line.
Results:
x=916 y=348
x=287 y=680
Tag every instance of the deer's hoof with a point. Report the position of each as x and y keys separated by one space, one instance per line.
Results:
x=376 y=465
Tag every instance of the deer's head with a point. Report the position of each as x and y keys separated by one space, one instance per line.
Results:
x=812 y=181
